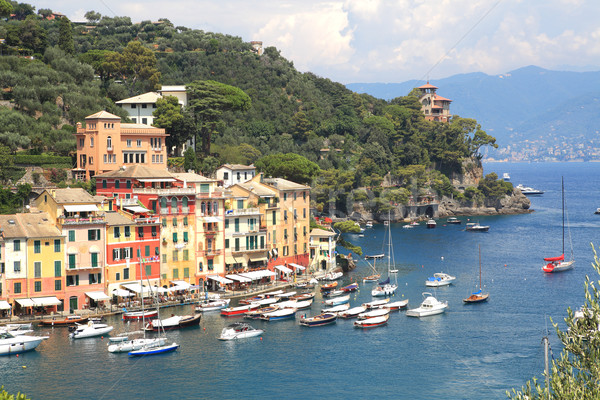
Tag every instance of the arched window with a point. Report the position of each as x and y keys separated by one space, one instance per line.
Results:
x=184 y=201
x=109 y=142
x=203 y=207
x=174 y=202
x=163 y=202
x=215 y=208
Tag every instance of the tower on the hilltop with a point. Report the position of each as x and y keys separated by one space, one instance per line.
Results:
x=435 y=107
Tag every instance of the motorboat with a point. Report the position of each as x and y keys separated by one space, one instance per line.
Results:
x=350 y=288
x=256 y=314
x=288 y=304
x=173 y=322
x=396 y=305
x=506 y=177
x=334 y=293
x=352 y=312
x=18 y=329
x=429 y=306
x=375 y=256
x=431 y=224
x=439 y=279
x=453 y=221
x=408 y=226
x=384 y=288
x=212 y=305
x=278 y=315
x=70 y=320
x=240 y=310
x=476 y=227
x=371 y=322
x=15 y=344
x=378 y=312
x=267 y=301
x=332 y=276
x=303 y=296
x=528 y=191
x=140 y=314
x=329 y=286
x=319 y=320
x=126 y=345
x=376 y=304
x=336 y=301
x=597 y=211
x=90 y=330
x=336 y=309
x=286 y=295
x=369 y=224
x=239 y=330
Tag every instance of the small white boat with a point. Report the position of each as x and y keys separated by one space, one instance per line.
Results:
x=332 y=276
x=528 y=191
x=371 y=322
x=15 y=344
x=439 y=279
x=506 y=177
x=288 y=304
x=384 y=289
x=212 y=305
x=378 y=312
x=476 y=227
x=18 y=329
x=375 y=256
x=267 y=301
x=334 y=293
x=376 y=304
x=431 y=224
x=286 y=295
x=369 y=224
x=453 y=221
x=127 y=345
x=429 y=306
x=173 y=322
x=352 y=312
x=90 y=330
x=396 y=305
x=304 y=304
x=277 y=315
x=336 y=301
x=336 y=309
x=239 y=330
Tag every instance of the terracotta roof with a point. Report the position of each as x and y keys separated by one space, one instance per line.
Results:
x=191 y=177
x=130 y=125
x=149 y=97
x=438 y=98
x=38 y=225
x=321 y=232
x=114 y=218
x=258 y=189
x=102 y=115
x=236 y=167
x=137 y=171
x=284 y=184
x=427 y=86
x=72 y=195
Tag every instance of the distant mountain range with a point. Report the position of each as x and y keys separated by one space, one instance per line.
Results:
x=534 y=113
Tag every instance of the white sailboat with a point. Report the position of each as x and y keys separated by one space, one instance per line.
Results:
x=386 y=288
x=558 y=264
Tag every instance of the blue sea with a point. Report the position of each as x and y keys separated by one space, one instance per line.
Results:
x=476 y=351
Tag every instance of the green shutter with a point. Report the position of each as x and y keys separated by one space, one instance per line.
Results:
x=57 y=269
x=147 y=251
x=185 y=237
x=94 y=260
x=71 y=236
x=175 y=237
x=72 y=263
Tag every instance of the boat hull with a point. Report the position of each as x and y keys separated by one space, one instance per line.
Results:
x=560 y=267
x=20 y=344
x=371 y=322
x=63 y=322
x=134 y=315
x=319 y=320
x=91 y=332
x=476 y=298
x=135 y=344
x=154 y=350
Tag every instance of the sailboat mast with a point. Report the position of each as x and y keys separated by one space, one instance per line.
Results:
x=480 y=267
x=562 y=183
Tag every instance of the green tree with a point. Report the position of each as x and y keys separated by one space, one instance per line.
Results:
x=189 y=160
x=22 y=10
x=576 y=373
x=6 y=162
x=208 y=100
x=4 y=395
x=44 y=12
x=347 y=226
x=92 y=16
x=65 y=36
x=136 y=66
x=170 y=116
x=5 y=8
x=98 y=60
x=32 y=35
x=291 y=166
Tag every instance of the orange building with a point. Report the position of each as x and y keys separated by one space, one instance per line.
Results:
x=105 y=144
x=435 y=107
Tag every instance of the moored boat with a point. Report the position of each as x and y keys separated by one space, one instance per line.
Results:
x=70 y=320
x=528 y=191
x=256 y=314
x=350 y=288
x=371 y=322
x=149 y=351
x=558 y=264
x=396 y=305
x=212 y=305
x=478 y=296
x=239 y=330
x=334 y=293
x=439 y=279
x=329 y=286
x=336 y=309
x=304 y=304
x=352 y=312
x=431 y=223
x=126 y=345
x=453 y=221
x=476 y=227
x=332 y=276
x=15 y=344
x=429 y=306
x=303 y=296
x=378 y=312
x=90 y=330
x=319 y=320
x=376 y=303
x=140 y=314
x=240 y=310
x=338 y=300
x=278 y=315
x=173 y=322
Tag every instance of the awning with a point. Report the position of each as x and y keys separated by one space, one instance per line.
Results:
x=136 y=287
x=257 y=259
x=157 y=180
x=300 y=267
x=283 y=269
x=160 y=289
x=184 y=284
x=212 y=219
x=4 y=305
x=122 y=293
x=46 y=301
x=220 y=279
x=97 y=296
x=255 y=275
x=238 y=278
x=25 y=302
x=81 y=207
x=136 y=209
x=233 y=260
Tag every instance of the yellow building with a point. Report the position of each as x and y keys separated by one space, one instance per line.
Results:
x=322 y=250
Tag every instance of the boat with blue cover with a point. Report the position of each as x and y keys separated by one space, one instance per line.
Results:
x=149 y=351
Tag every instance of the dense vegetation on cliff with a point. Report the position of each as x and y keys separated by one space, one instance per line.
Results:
x=346 y=140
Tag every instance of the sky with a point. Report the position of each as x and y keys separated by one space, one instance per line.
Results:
x=391 y=41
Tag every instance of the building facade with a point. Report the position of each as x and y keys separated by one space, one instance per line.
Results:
x=434 y=106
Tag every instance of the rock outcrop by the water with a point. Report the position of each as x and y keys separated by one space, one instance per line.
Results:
x=517 y=203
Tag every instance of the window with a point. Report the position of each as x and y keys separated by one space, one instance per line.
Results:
x=104 y=184
x=16 y=245
x=147 y=251
x=175 y=273
x=284 y=196
x=92 y=142
x=37 y=286
x=109 y=143
x=175 y=255
x=125 y=273
x=144 y=105
x=139 y=141
x=294 y=195
x=186 y=255
x=94 y=259
x=127 y=252
x=148 y=269
x=81 y=142
x=57 y=269
x=93 y=234
x=174 y=203
x=37 y=246
x=128 y=184
x=127 y=231
x=164 y=223
x=156 y=251
x=209 y=264
x=174 y=222
x=154 y=231
x=164 y=258
x=117 y=184
x=118 y=276
x=304 y=195
x=17 y=266
x=274 y=214
x=128 y=142
x=117 y=232
x=285 y=215
x=175 y=237
x=72 y=263
x=37 y=269
x=184 y=201
x=237 y=224
x=141 y=231
x=304 y=213
x=133 y=105
x=226 y=224
x=186 y=272
x=237 y=244
x=225 y=176
x=240 y=204
x=185 y=221
x=57 y=245
x=72 y=280
x=57 y=285
x=226 y=243
x=215 y=208
x=274 y=236
x=17 y=288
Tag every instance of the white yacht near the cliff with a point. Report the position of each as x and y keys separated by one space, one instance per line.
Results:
x=528 y=191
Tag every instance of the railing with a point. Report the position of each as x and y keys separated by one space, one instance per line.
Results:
x=243 y=249
x=80 y=267
x=242 y=211
x=214 y=195
x=165 y=192
x=150 y=220
x=185 y=210
x=81 y=221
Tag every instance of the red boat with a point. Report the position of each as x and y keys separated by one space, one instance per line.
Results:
x=351 y=287
x=129 y=315
x=233 y=311
x=329 y=286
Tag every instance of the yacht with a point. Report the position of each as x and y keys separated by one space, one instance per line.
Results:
x=439 y=279
x=528 y=191
x=429 y=306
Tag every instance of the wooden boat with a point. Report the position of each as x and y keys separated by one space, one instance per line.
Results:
x=303 y=296
x=286 y=295
x=558 y=264
x=378 y=312
x=90 y=330
x=319 y=320
x=350 y=288
x=240 y=310
x=336 y=309
x=371 y=322
x=376 y=303
x=173 y=322
x=336 y=301
x=372 y=278
x=70 y=320
x=329 y=286
x=239 y=330
x=132 y=315
x=478 y=296
x=352 y=312
x=212 y=305
x=304 y=304
x=334 y=293
x=255 y=314
x=396 y=305
x=332 y=276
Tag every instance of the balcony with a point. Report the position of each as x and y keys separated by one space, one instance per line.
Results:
x=98 y=219
x=84 y=267
x=165 y=192
x=243 y=249
x=214 y=195
x=110 y=148
x=151 y=220
x=242 y=211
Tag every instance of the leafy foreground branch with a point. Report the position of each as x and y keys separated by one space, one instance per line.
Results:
x=4 y=395
x=576 y=373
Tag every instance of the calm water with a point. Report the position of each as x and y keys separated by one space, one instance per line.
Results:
x=472 y=351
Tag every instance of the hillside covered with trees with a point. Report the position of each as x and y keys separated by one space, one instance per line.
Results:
x=297 y=125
